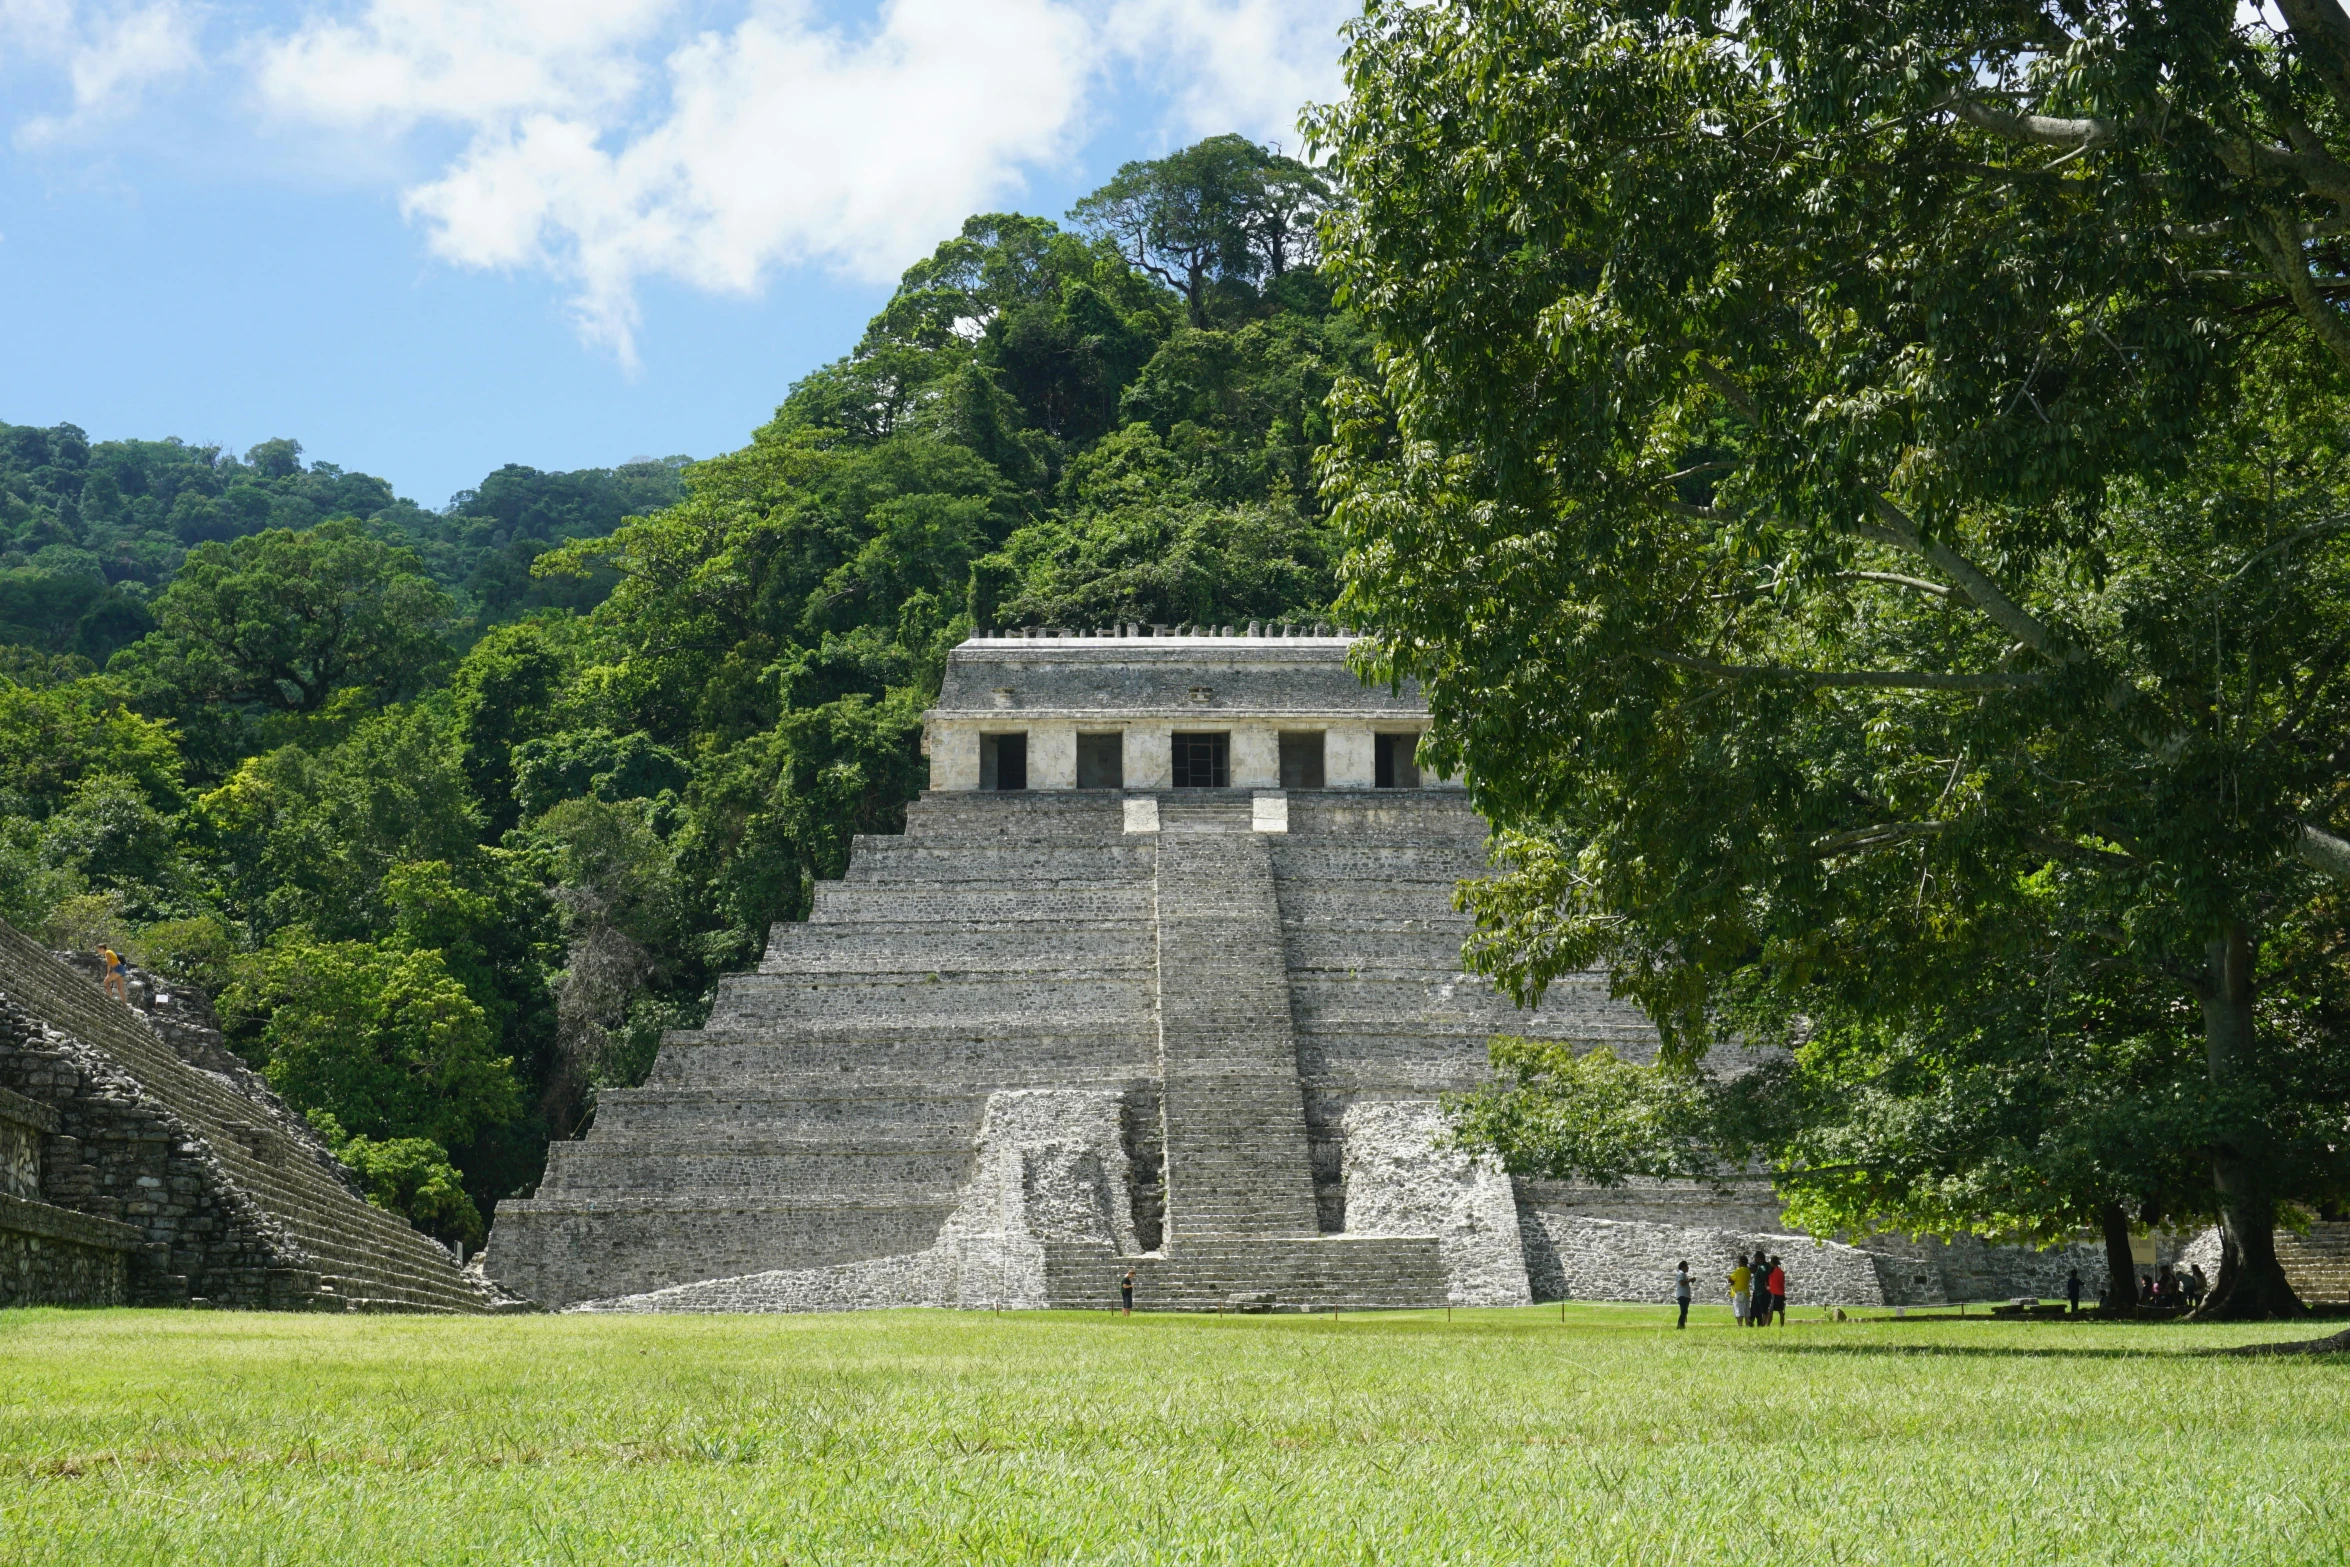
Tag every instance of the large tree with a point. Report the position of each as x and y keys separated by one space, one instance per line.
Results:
x=1222 y=210
x=1835 y=465
x=286 y=619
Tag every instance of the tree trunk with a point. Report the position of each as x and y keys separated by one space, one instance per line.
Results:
x=2251 y=1285
x=2121 y=1274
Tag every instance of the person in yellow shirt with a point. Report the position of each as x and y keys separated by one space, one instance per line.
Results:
x=111 y=980
x=1741 y=1278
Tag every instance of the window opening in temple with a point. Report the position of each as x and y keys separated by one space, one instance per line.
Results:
x=1301 y=760
x=1003 y=761
x=1101 y=761
x=1202 y=761
x=1392 y=766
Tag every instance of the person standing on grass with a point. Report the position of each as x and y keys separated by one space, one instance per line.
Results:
x=1126 y=1293
x=2072 y=1293
x=110 y=979
x=1681 y=1292
x=1740 y=1277
x=1778 y=1285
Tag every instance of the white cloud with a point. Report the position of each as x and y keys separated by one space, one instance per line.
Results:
x=402 y=62
x=110 y=56
x=778 y=142
x=1244 y=65
x=608 y=143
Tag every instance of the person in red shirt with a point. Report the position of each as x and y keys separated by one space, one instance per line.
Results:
x=1778 y=1282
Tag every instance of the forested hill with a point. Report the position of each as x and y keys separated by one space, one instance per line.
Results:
x=90 y=531
x=455 y=842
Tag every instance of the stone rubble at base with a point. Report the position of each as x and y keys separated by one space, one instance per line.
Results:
x=1052 y=1034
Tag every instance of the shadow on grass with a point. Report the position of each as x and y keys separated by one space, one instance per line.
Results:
x=2016 y=1352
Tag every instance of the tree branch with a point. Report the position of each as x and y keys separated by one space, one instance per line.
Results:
x=2271 y=235
x=1919 y=583
x=2323 y=32
x=1701 y=513
x=1881 y=679
x=2037 y=130
x=2323 y=851
x=1903 y=533
x=2319 y=172
x=1874 y=837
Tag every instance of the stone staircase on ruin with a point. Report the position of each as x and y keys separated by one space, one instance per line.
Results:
x=338 y=1249
x=1237 y=1158
x=1238 y=989
x=2317 y=1263
x=827 y=1110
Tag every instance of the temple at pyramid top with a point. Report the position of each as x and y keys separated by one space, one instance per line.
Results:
x=1136 y=708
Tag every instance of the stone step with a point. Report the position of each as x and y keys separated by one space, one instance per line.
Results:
x=862 y=1112
x=1044 y=865
x=616 y=1168
x=1296 y=1274
x=984 y=1003
x=2318 y=1263
x=982 y=905
x=871 y=948
x=959 y=1056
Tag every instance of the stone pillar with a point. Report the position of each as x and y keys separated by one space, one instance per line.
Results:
x=954 y=756
x=1052 y=756
x=1150 y=756
x=1347 y=757
x=1256 y=756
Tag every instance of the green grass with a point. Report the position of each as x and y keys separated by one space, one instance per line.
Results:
x=928 y=1437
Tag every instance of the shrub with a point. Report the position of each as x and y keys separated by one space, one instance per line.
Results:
x=409 y=1176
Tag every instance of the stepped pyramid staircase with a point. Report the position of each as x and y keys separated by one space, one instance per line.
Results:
x=1237 y=990
x=327 y=1246
x=1241 y=1216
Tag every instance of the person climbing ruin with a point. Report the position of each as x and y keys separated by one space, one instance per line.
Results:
x=111 y=978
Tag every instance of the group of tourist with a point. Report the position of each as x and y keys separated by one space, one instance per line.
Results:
x=1758 y=1290
x=2171 y=1290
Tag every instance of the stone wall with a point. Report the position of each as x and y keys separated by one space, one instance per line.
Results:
x=1630 y=1260
x=1051 y=1165
x=50 y=1256
x=46 y=1270
x=1400 y=1182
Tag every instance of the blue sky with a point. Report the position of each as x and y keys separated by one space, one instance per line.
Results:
x=426 y=237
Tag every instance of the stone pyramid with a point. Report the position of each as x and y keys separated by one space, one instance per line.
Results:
x=1258 y=976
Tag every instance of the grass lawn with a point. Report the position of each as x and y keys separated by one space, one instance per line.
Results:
x=1501 y=1436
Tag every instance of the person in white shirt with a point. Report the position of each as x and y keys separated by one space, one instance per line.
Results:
x=1681 y=1292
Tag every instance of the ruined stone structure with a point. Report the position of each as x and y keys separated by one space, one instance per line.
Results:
x=144 y=1164
x=1163 y=977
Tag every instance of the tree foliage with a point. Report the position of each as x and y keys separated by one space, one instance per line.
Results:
x=379 y=1036
x=1832 y=509
x=409 y=1176
x=287 y=619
